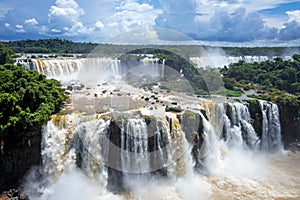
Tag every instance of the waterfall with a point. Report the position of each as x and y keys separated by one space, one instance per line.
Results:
x=153 y=66
x=220 y=60
x=209 y=153
x=271 y=130
x=179 y=150
x=90 y=147
x=66 y=69
x=238 y=128
x=135 y=148
x=70 y=140
x=56 y=154
x=74 y=140
x=54 y=67
x=118 y=153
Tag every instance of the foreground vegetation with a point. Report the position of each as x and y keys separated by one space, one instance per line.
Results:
x=27 y=98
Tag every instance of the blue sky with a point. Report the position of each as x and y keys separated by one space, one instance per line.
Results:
x=256 y=22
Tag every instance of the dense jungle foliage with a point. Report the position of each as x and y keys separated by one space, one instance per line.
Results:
x=27 y=98
x=6 y=55
x=277 y=80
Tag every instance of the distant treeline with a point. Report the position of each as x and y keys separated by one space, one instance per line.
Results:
x=49 y=46
x=261 y=51
x=66 y=46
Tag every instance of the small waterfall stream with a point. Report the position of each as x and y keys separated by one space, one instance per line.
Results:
x=271 y=137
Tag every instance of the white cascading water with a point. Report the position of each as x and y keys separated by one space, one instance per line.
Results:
x=220 y=61
x=63 y=68
x=271 y=133
x=157 y=67
x=88 y=69
x=238 y=128
x=67 y=135
x=92 y=143
x=79 y=140
x=134 y=144
x=66 y=69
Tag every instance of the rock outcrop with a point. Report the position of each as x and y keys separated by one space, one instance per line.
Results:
x=17 y=156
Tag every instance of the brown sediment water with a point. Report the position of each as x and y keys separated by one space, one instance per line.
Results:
x=280 y=181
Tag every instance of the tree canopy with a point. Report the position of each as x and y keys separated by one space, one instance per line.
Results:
x=27 y=99
x=49 y=46
x=5 y=54
x=280 y=74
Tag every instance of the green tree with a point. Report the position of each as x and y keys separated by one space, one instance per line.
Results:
x=27 y=99
x=5 y=55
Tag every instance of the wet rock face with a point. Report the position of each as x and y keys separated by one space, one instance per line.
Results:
x=192 y=125
x=17 y=156
x=256 y=115
x=115 y=177
x=289 y=121
x=290 y=124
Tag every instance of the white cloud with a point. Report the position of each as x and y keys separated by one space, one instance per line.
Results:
x=78 y=29
x=67 y=9
x=65 y=16
x=290 y=32
x=131 y=15
x=19 y=26
x=275 y=21
x=258 y=5
x=294 y=15
x=55 y=30
x=99 y=25
x=231 y=20
x=21 y=30
x=31 y=21
x=210 y=20
x=43 y=30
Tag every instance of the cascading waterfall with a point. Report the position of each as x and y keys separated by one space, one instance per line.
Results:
x=271 y=133
x=106 y=69
x=54 y=67
x=220 y=61
x=134 y=144
x=180 y=160
x=67 y=68
x=84 y=141
x=238 y=128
